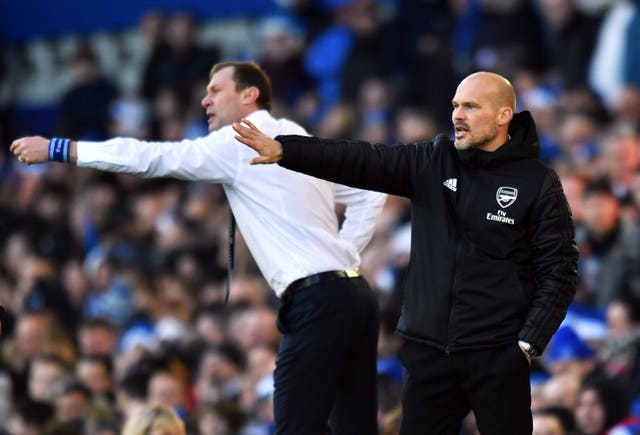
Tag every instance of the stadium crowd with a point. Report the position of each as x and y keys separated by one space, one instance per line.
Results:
x=113 y=286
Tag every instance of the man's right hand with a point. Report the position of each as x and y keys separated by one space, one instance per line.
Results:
x=270 y=150
x=30 y=150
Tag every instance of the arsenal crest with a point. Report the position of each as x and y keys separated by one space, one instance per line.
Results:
x=506 y=196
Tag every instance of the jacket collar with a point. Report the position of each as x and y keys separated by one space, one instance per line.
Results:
x=522 y=144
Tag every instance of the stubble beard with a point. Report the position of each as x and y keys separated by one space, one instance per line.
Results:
x=473 y=142
x=461 y=145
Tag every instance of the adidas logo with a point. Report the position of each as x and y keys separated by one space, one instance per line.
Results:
x=451 y=183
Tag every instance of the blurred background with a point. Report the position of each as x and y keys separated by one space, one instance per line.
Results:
x=113 y=285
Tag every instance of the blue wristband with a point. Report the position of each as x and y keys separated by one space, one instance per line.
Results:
x=59 y=149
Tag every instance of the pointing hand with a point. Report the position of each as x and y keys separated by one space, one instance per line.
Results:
x=269 y=150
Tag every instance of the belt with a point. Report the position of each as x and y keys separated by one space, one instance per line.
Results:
x=318 y=278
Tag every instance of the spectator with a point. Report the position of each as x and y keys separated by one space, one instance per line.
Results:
x=619 y=353
x=619 y=159
x=573 y=185
x=281 y=44
x=368 y=56
x=30 y=340
x=218 y=369
x=626 y=107
x=166 y=388
x=29 y=417
x=498 y=36
x=84 y=107
x=576 y=132
x=600 y=241
x=571 y=35
x=95 y=372
x=73 y=402
x=178 y=60
x=561 y=390
x=420 y=35
x=131 y=393
x=222 y=417
x=47 y=375
x=154 y=420
x=97 y=337
x=553 y=421
x=602 y=403
x=414 y=124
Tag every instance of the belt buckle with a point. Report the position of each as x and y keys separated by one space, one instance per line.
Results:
x=352 y=273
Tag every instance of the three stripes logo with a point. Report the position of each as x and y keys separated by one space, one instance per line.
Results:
x=451 y=184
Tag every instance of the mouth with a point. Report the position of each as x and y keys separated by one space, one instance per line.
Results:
x=460 y=131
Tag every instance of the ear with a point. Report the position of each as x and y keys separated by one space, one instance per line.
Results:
x=505 y=115
x=250 y=95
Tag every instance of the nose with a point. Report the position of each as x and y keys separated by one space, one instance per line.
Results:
x=457 y=114
x=205 y=101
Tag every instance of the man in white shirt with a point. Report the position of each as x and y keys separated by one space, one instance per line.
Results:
x=326 y=367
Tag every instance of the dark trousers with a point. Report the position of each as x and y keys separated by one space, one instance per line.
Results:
x=439 y=391
x=326 y=364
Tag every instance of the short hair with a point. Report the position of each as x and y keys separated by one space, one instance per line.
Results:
x=134 y=385
x=599 y=186
x=103 y=360
x=74 y=386
x=150 y=418
x=563 y=415
x=246 y=75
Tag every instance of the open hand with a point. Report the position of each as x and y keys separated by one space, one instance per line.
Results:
x=269 y=150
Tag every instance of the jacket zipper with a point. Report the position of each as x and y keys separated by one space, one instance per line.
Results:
x=454 y=290
x=459 y=249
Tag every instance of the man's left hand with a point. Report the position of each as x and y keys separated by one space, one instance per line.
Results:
x=269 y=150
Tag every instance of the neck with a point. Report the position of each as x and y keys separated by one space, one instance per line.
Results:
x=498 y=141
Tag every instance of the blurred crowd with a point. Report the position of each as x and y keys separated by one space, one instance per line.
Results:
x=114 y=286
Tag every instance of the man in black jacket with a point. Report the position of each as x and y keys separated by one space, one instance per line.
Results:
x=493 y=259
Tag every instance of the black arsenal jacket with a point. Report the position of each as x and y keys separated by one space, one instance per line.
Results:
x=493 y=256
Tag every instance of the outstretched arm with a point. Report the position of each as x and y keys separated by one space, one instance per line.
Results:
x=35 y=149
x=383 y=168
x=213 y=158
x=269 y=150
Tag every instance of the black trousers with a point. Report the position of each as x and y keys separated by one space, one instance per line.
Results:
x=439 y=391
x=326 y=365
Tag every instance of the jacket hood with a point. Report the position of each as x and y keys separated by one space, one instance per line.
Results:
x=523 y=144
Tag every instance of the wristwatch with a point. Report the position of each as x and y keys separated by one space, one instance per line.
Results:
x=529 y=351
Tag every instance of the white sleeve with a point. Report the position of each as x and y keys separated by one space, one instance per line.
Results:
x=363 y=208
x=214 y=158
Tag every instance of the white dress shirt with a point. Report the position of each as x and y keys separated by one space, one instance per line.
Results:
x=286 y=218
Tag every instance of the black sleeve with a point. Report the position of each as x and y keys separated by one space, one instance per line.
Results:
x=555 y=261
x=383 y=168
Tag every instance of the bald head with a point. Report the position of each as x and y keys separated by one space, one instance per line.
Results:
x=500 y=89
